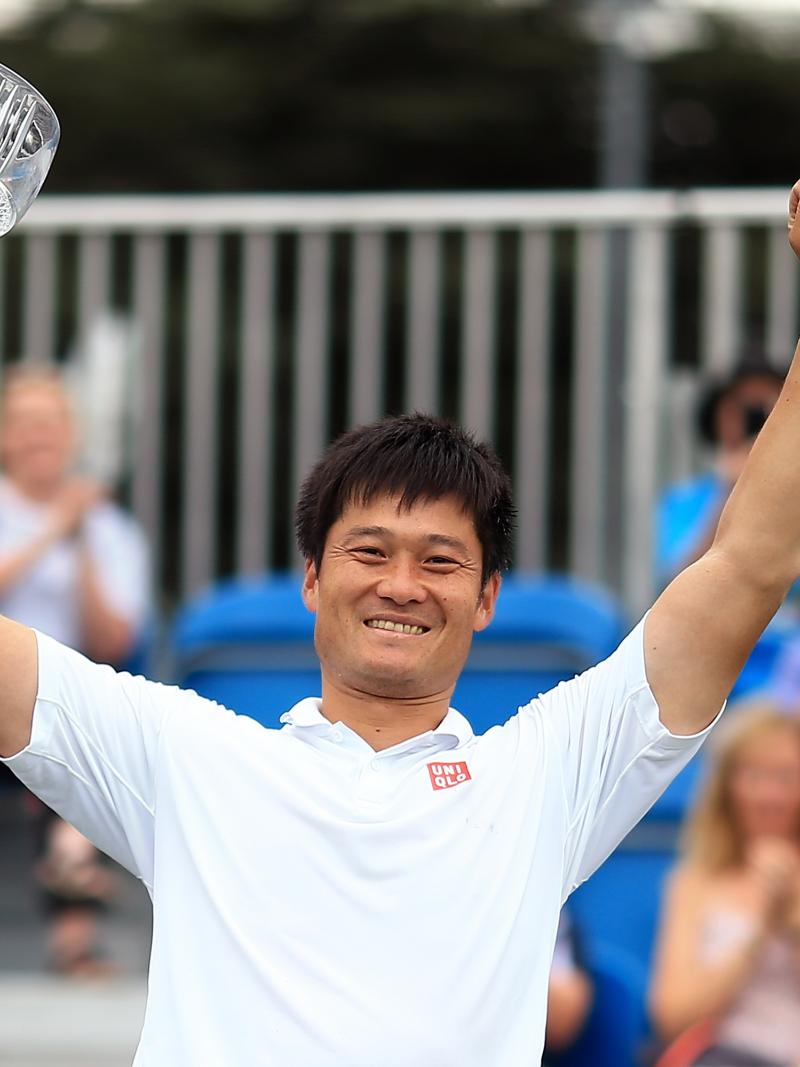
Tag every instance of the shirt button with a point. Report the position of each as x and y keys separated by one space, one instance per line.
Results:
x=337 y=735
x=373 y=766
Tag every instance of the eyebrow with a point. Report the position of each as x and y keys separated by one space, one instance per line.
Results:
x=443 y=540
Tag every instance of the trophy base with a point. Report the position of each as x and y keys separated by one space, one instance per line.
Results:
x=8 y=214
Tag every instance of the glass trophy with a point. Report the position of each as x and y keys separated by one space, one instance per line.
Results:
x=29 y=133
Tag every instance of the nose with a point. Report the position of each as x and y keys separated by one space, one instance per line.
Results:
x=400 y=582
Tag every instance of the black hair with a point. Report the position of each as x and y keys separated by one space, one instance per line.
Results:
x=413 y=457
x=753 y=364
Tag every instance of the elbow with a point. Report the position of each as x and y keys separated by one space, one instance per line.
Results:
x=769 y=574
x=569 y=1004
x=668 y=1017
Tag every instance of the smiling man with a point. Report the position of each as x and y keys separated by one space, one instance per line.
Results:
x=373 y=884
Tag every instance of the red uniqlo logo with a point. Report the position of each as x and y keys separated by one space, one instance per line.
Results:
x=443 y=775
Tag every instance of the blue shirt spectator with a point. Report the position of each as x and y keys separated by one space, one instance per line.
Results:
x=729 y=417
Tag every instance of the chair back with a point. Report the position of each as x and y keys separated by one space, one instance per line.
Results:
x=616 y=1026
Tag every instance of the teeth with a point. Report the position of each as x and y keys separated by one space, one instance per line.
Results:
x=397 y=627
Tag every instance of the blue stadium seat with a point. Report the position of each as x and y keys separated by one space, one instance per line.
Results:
x=249 y=645
x=617 y=1025
x=619 y=906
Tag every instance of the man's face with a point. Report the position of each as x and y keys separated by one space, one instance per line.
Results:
x=398 y=597
x=38 y=432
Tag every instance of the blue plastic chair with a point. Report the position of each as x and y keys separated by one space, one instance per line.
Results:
x=616 y=1027
x=249 y=645
x=619 y=906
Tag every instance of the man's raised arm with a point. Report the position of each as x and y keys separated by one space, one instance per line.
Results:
x=18 y=684
x=705 y=624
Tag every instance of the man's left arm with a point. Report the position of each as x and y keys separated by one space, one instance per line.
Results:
x=702 y=629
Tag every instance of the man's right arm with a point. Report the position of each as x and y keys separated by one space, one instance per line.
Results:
x=18 y=685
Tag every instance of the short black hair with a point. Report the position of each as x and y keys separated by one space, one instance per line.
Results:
x=414 y=457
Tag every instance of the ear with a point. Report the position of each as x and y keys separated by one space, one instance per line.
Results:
x=484 y=613
x=310 y=590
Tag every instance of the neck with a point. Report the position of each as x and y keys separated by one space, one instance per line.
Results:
x=40 y=490
x=382 y=721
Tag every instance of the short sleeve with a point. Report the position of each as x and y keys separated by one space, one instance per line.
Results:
x=615 y=755
x=93 y=753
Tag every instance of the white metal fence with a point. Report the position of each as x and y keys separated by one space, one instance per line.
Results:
x=569 y=328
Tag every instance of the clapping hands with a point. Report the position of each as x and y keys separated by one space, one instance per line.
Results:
x=74 y=500
x=774 y=867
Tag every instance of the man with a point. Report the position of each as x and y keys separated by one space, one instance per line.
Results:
x=373 y=884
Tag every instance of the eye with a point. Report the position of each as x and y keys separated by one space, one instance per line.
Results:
x=441 y=561
x=370 y=551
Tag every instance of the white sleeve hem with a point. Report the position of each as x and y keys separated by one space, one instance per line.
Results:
x=40 y=728
x=648 y=713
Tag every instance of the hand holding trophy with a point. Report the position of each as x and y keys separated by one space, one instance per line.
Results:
x=29 y=133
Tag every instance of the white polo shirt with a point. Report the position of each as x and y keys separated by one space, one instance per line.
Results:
x=318 y=904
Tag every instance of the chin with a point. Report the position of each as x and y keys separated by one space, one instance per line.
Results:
x=391 y=682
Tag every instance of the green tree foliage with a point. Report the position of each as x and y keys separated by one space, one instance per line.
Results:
x=213 y=95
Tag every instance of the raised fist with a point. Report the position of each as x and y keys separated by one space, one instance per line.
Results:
x=794 y=227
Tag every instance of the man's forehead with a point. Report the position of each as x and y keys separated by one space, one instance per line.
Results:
x=441 y=518
x=39 y=394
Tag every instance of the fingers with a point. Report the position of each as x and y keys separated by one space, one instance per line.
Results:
x=794 y=200
x=776 y=867
x=794 y=228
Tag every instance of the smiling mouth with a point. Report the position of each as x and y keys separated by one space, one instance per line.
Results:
x=396 y=627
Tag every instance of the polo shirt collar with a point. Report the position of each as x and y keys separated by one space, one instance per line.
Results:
x=453 y=731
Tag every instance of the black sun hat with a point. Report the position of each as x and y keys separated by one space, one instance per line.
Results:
x=752 y=365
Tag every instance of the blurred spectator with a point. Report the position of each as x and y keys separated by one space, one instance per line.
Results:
x=726 y=983
x=729 y=417
x=570 y=991
x=75 y=566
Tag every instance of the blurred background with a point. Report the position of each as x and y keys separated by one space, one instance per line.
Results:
x=269 y=220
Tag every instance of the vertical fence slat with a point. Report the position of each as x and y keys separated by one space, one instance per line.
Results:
x=781 y=336
x=311 y=352
x=254 y=523
x=149 y=284
x=94 y=281
x=646 y=351
x=367 y=312
x=477 y=348
x=721 y=294
x=39 y=298
x=531 y=452
x=589 y=410
x=682 y=393
x=200 y=412
x=422 y=358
